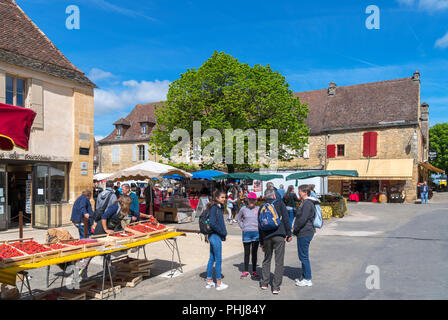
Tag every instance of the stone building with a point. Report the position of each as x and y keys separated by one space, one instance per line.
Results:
x=380 y=129
x=127 y=144
x=45 y=180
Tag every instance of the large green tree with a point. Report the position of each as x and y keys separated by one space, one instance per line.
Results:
x=438 y=142
x=226 y=94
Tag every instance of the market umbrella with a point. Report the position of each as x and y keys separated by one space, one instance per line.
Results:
x=207 y=174
x=248 y=175
x=101 y=176
x=174 y=176
x=15 y=126
x=147 y=170
x=322 y=173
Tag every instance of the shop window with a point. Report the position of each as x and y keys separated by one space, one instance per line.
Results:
x=15 y=91
x=331 y=151
x=51 y=184
x=341 y=150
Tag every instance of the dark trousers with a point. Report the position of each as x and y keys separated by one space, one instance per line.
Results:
x=247 y=247
x=275 y=244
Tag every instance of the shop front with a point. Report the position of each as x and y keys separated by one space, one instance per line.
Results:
x=380 y=180
x=38 y=189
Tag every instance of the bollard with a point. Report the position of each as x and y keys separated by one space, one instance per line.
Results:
x=86 y=227
x=20 y=224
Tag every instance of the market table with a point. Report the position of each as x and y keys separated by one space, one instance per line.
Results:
x=9 y=275
x=354 y=197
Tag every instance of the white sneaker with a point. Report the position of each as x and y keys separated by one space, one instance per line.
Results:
x=303 y=283
x=234 y=221
x=210 y=285
x=223 y=286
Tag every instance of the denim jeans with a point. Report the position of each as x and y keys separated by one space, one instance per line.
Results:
x=291 y=217
x=81 y=230
x=424 y=196
x=303 y=245
x=215 y=256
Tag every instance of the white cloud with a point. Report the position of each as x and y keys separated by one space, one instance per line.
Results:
x=426 y=5
x=97 y=75
x=442 y=43
x=129 y=94
x=98 y=138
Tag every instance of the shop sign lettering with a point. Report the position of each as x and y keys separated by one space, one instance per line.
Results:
x=17 y=156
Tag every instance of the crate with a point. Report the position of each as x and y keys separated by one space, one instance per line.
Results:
x=95 y=291
x=15 y=261
x=127 y=281
x=120 y=240
x=68 y=250
x=59 y=295
x=87 y=246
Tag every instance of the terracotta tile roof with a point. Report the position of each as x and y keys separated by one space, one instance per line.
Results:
x=140 y=113
x=23 y=43
x=362 y=105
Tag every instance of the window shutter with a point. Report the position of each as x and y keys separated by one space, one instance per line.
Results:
x=366 y=144
x=331 y=151
x=373 y=143
x=37 y=104
x=146 y=152
x=306 y=153
x=2 y=86
x=134 y=153
x=115 y=154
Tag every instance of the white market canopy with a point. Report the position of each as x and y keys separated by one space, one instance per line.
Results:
x=147 y=170
x=101 y=176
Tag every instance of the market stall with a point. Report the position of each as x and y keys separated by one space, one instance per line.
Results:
x=26 y=254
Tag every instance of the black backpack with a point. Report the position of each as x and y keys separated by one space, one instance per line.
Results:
x=204 y=222
x=100 y=211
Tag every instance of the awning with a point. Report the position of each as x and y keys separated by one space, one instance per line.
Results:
x=321 y=173
x=430 y=167
x=248 y=175
x=375 y=169
x=15 y=126
x=207 y=174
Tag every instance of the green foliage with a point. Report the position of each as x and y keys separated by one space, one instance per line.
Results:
x=226 y=94
x=438 y=142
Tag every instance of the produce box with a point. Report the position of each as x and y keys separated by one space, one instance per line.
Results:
x=10 y=256
x=87 y=245
x=65 y=249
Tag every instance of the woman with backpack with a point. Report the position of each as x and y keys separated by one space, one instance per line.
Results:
x=111 y=219
x=248 y=222
x=290 y=200
x=304 y=230
x=217 y=235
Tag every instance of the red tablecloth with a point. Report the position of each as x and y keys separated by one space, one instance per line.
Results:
x=194 y=203
x=354 y=197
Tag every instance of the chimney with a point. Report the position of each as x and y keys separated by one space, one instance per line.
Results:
x=332 y=89
x=424 y=111
x=416 y=76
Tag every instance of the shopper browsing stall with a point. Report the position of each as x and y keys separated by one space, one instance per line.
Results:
x=82 y=209
x=248 y=222
x=112 y=218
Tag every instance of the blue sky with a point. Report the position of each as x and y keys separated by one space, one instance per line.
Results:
x=133 y=49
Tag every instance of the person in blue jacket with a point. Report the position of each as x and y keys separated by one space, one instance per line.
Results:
x=135 y=207
x=219 y=233
x=112 y=217
x=82 y=208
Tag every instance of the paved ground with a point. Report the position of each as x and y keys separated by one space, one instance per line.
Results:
x=407 y=242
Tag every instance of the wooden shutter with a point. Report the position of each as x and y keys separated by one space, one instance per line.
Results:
x=373 y=143
x=331 y=151
x=146 y=152
x=134 y=153
x=37 y=102
x=2 y=86
x=370 y=144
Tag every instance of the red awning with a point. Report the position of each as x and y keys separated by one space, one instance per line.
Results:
x=15 y=126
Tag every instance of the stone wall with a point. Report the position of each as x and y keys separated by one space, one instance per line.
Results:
x=126 y=158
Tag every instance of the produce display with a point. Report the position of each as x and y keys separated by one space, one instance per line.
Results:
x=122 y=235
x=141 y=228
x=81 y=242
x=154 y=227
x=57 y=246
x=30 y=247
x=7 y=251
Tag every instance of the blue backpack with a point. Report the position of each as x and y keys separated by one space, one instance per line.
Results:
x=318 y=221
x=268 y=219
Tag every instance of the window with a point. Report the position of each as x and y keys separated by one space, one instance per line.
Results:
x=144 y=128
x=15 y=91
x=141 y=153
x=331 y=151
x=370 y=144
x=119 y=130
x=341 y=150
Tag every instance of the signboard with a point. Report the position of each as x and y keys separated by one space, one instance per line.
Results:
x=432 y=155
x=258 y=186
x=83 y=165
x=84 y=173
x=28 y=197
